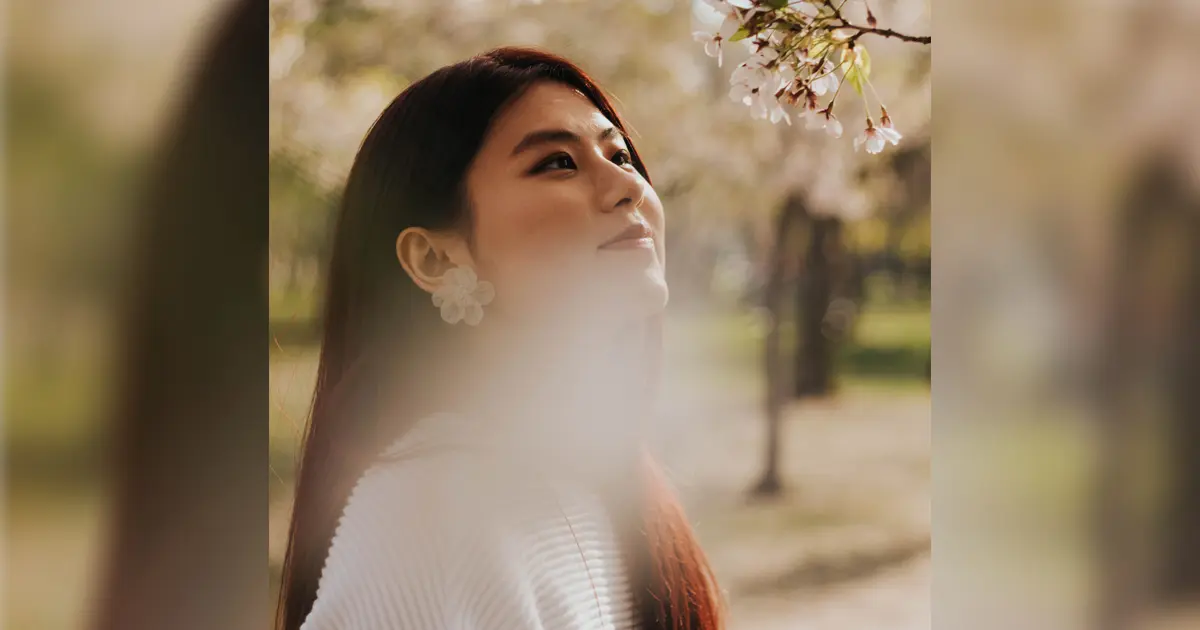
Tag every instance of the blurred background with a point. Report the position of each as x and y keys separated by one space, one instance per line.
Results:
x=798 y=342
x=1066 y=192
x=89 y=90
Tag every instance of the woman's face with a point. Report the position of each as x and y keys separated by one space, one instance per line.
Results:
x=563 y=224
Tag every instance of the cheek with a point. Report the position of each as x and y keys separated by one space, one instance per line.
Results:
x=652 y=211
x=530 y=247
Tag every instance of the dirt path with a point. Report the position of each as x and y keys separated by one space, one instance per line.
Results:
x=847 y=546
x=894 y=599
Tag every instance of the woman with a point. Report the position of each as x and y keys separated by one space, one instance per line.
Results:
x=492 y=336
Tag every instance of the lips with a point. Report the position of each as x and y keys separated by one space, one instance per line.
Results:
x=634 y=232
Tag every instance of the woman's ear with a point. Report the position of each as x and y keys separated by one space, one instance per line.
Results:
x=426 y=256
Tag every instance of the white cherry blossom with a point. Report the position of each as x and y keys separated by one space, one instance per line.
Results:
x=825 y=119
x=876 y=138
x=777 y=112
x=763 y=57
x=742 y=93
x=712 y=41
x=787 y=75
x=766 y=106
x=807 y=9
x=826 y=80
x=727 y=8
x=885 y=124
x=754 y=77
x=781 y=71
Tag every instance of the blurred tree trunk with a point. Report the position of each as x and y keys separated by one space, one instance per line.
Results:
x=792 y=212
x=816 y=342
x=896 y=225
x=190 y=436
x=1180 y=580
x=1152 y=340
x=1114 y=535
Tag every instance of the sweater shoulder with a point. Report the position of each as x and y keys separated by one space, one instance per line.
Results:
x=410 y=532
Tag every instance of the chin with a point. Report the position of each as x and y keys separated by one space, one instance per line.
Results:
x=622 y=296
x=642 y=296
x=656 y=293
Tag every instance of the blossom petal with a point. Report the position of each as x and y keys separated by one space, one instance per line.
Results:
x=825 y=83
x=720 y=6
x=728 y=27
x=739 y=74
x=805 y=8
x=485 y=292
x=778 y=113
x=741 y=4
x=452 y=312
x=470 y=279
x=890 y=134
x=739 y=93
x=875 y=143
x=473 y=314
x=834 y=128
x=757 y=111
x=786 y=75
x=712 y=48
x=459 y=278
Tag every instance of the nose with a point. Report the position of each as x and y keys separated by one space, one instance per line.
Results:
x=621 y=188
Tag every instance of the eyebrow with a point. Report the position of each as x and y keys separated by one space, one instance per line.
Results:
x=547 y=136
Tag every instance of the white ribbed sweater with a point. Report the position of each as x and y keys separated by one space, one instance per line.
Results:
x=457 y=540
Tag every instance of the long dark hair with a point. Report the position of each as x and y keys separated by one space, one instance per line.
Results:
x=411 y=171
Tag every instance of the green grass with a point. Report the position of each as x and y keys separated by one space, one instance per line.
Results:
x=889 y=347
x=293 y=305
x=893 y=327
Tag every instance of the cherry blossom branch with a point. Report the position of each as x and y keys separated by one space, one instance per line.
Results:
x=886 y=32
x=872 y=30
x=781 y=74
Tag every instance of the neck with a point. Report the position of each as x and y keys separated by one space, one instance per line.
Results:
x=555 y=386
x=553 y=365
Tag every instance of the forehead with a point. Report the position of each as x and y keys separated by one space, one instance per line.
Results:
x=548 y=105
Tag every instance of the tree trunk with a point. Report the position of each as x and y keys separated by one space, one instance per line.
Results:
x=190 y=431
x=816 y=345
x=773 y=364
x=1180 y=571
x=1160 y=222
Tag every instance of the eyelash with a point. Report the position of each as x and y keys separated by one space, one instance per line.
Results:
x=545 y=166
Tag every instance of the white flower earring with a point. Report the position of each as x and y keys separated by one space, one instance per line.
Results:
x=463 y=296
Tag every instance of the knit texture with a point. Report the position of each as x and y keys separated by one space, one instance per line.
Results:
x=456 y=539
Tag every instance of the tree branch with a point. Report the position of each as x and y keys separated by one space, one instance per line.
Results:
x=887 y=32
x=882 y=32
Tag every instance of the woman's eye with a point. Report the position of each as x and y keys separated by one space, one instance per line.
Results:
x=557 y=162
x=622 y=158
